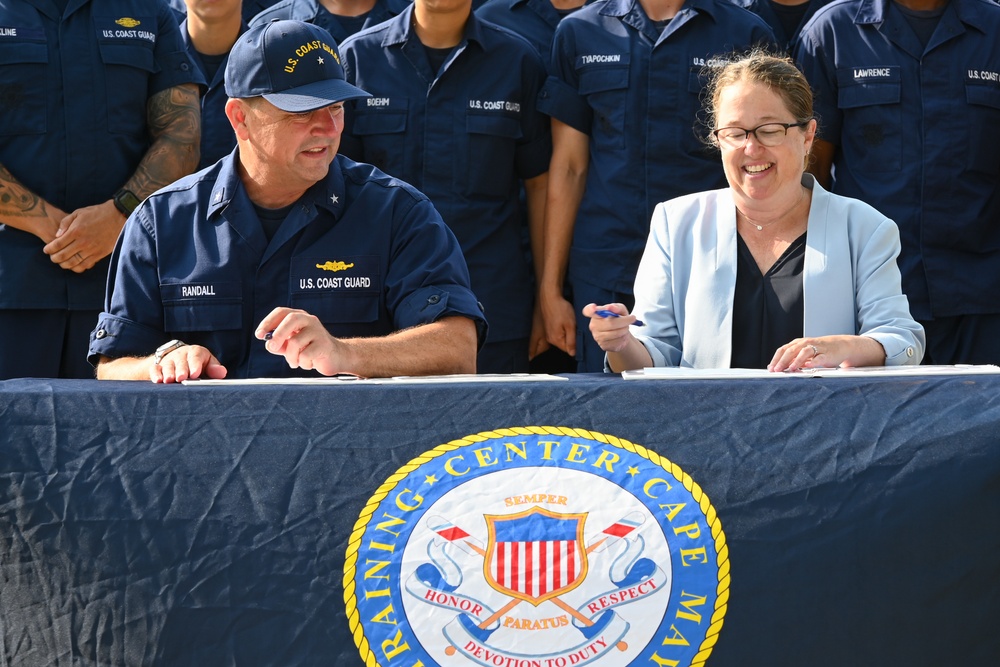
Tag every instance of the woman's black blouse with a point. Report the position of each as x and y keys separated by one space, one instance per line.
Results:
x=768 y=308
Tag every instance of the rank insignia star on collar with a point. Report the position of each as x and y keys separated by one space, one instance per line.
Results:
x=334 y=199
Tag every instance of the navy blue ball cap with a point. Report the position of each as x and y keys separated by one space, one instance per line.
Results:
x=293 y=65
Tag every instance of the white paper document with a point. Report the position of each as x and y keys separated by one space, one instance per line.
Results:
x=670 y=373
x=346 y=380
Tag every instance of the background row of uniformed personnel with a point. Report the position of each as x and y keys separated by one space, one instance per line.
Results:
x=909 y=131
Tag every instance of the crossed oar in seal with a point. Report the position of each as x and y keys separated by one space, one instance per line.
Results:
x=469 y=544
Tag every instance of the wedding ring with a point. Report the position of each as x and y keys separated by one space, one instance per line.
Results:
x=815 y=350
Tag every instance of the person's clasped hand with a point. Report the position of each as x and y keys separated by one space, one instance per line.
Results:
x=85 y=237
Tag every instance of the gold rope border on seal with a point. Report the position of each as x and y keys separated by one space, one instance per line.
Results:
x=721 y=549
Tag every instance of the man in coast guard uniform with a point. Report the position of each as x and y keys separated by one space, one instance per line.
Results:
x=285 y=257
x=624 y=97
x=908 y=99
x=454 y=112
x=98 y=108
x=341 y=19
x=209 y=31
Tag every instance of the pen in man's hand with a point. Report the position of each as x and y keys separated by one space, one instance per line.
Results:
x=611 y=313
x=269 y=335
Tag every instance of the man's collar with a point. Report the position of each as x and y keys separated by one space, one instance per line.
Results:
x=327 y=193
x=226 y=184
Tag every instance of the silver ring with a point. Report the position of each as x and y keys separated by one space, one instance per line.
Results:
x=815 y=350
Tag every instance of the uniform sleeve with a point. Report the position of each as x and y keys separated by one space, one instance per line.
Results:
x=560 y=96
x=535 y=146
x=173 y=63
x=132 y=321
x=428 y=278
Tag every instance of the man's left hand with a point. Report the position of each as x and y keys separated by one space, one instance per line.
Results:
x=85 y=237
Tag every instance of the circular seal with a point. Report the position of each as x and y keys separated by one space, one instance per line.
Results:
x=537 y=547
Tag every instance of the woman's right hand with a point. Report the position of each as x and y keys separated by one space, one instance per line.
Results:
x=611 y=333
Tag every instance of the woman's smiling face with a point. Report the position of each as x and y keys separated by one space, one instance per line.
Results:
x=754 y=171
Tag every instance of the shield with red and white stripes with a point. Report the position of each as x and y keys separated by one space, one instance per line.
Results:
x=535 y=555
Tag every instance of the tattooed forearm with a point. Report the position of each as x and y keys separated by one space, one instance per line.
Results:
x=17 y=201
x=174 y=119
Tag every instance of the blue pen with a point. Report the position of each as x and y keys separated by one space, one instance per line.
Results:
x=609 y=313
x=269 y=335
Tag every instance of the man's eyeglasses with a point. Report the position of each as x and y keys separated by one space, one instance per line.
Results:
x=768 y=134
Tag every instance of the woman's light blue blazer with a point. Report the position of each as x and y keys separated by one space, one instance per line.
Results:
x=687 y=278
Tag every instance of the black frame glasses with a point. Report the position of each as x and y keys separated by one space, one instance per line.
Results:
x=767 y=138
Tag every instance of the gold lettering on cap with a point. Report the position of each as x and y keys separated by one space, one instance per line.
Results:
x=317 y=45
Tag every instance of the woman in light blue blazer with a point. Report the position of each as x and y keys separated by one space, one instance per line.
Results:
x=772 y=272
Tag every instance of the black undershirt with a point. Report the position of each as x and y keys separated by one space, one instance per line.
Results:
x=922 y=22
x=789 y=16
x=767 y=309
x=353 y=24
x=271 y=219
x=212 y=64
x=436 y=57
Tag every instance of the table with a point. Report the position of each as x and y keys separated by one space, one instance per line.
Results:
x=178 y=525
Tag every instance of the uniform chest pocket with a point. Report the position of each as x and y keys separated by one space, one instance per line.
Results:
x=606 y=90
x=343 y=315
x=872 y=119
x=380 y=133
x=24 y=92
x=127 y=71
x=491 y=142
x=205 y=315
x=984 y=121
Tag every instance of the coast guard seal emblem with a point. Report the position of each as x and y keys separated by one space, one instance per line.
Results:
x=537 y=547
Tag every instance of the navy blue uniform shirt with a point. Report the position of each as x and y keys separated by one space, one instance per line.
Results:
x=73 y=122
x=217 y=136
x=917 y=132
x=365 y=253
x=637 y=93
x=464 y=137
x=311 y=11
x=535 y=20
x=765 y=10
x=249 y=9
